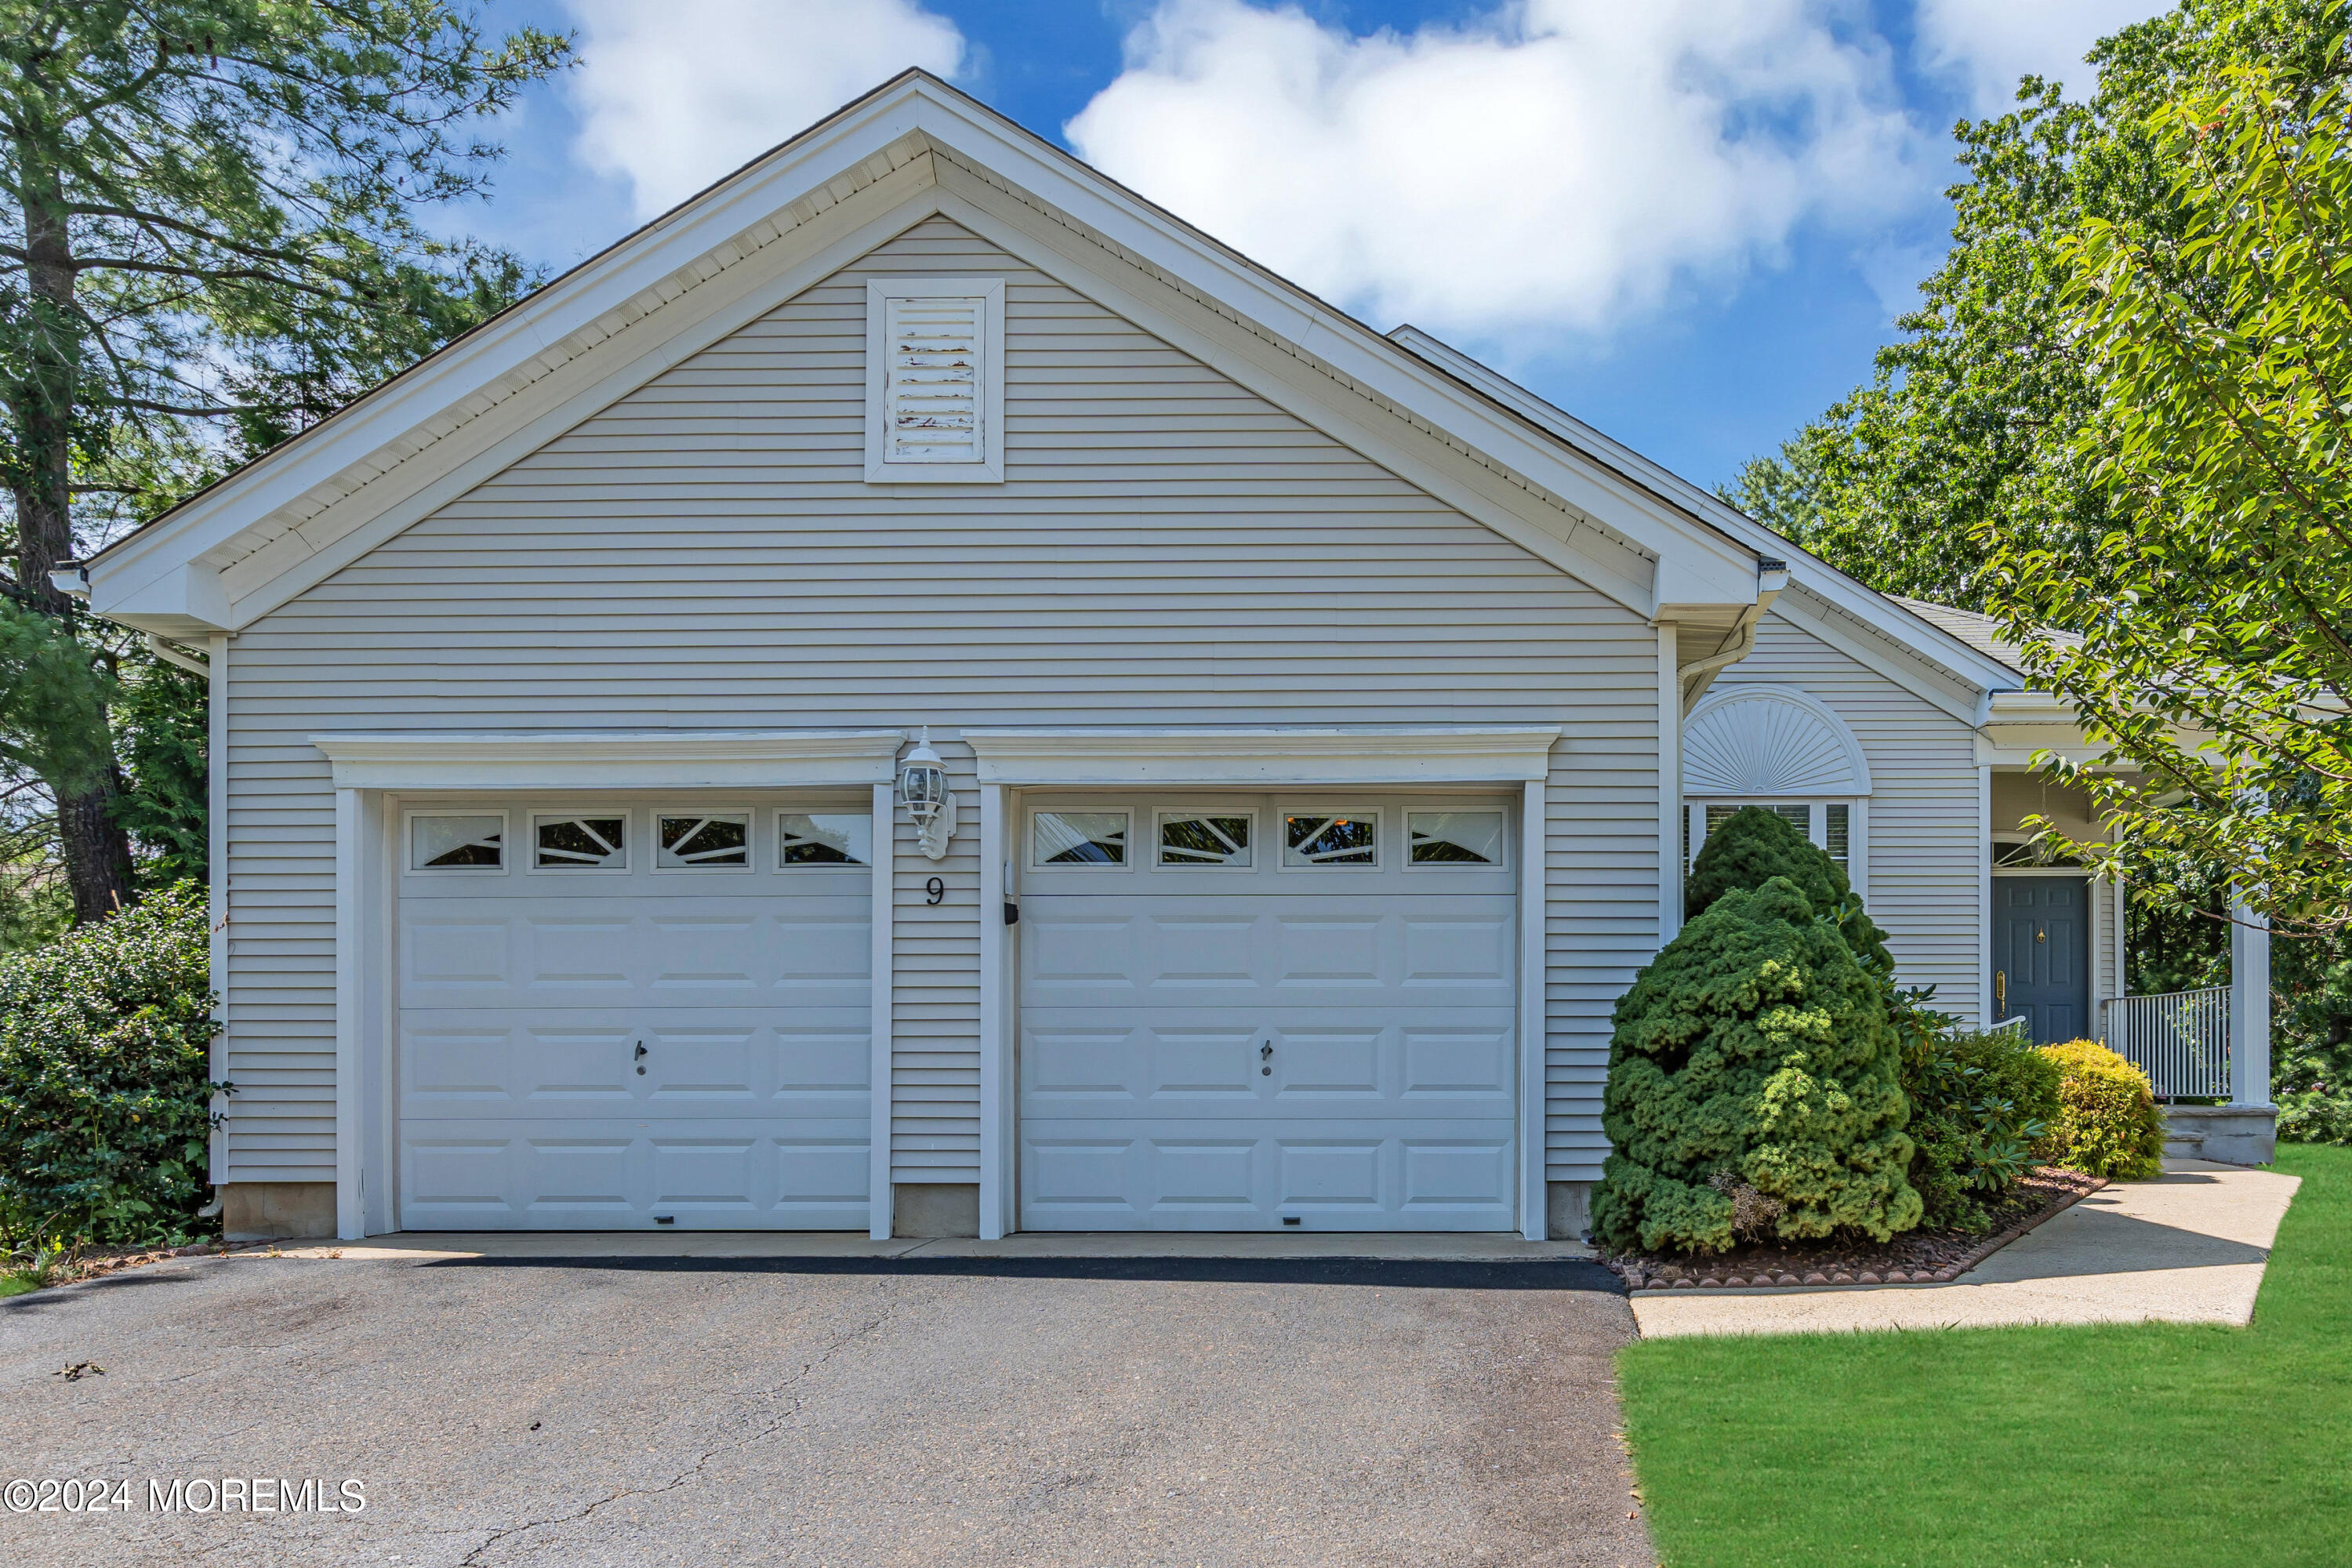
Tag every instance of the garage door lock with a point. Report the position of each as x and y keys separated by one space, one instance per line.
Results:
x=641 y=1059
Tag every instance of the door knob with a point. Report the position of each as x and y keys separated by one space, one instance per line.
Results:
x=1999 y=991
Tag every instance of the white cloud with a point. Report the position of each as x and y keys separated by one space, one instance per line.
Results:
x=673 y=94
x=1989 y=44
x=1552 y=164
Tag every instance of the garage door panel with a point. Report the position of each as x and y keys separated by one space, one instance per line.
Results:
x=543 y=957
x=1350 y=1062
x=457 y=950
x=1210 y=956
x=1059 y=954
x=1327 y=952
x=1459 y=1059
x=1219 y=1061
x=623 y=1175
x=1459 y=952
x=1227 y=1177
x=1321 y=1063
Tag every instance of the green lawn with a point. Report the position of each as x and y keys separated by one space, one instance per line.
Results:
x=2135 y=1448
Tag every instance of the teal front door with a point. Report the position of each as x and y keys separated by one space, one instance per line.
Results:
x=2041 y=955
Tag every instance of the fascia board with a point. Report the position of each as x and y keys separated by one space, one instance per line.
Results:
x=1351 y=350
x=1886 y=654
x=1849 y=593
x=468 y=368
x=287 y=567
x=1297 y=388
x=187 y=600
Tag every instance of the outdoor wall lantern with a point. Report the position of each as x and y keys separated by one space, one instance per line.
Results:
x=923 y=786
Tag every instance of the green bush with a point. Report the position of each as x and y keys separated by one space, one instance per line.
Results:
x=2107 y=1123
x=1982 y=1108
x=1756 y=845
x=1755 y=1052
x=104 y=1077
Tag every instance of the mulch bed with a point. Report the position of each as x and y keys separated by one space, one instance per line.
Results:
x=1915 y=1257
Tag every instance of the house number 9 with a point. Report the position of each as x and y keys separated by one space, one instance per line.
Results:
x=934 y=890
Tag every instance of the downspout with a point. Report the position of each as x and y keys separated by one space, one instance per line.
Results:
x=1772 y=577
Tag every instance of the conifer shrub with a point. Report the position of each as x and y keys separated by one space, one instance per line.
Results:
x=2107 y=1123
x=1758 y=845
x=1756 y=1045
x=105 y=1091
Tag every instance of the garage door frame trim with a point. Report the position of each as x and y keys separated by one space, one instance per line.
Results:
x=370 y=768
x=1390 y=755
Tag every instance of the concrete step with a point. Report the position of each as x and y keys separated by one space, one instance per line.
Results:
x=2183 y=1145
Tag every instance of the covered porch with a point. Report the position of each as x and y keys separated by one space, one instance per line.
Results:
x=2060 y=961
x=2059 y=967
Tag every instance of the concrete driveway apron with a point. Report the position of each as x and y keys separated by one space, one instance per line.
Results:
x=828 y=1410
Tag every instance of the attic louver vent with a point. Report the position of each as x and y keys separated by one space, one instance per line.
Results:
x=935 y=402
x=934 y=397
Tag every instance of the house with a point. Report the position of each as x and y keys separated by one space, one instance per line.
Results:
x=1319 y=724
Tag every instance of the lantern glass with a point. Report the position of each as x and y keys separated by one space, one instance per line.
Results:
x=923 y=786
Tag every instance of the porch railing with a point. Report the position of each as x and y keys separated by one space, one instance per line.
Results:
x=2179 y=1038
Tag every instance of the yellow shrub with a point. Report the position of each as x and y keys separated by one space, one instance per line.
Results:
x=2107 y=1123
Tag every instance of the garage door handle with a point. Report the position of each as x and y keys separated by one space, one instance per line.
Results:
x=641 y=1051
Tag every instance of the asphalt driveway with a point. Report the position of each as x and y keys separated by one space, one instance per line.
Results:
x=827 y=1411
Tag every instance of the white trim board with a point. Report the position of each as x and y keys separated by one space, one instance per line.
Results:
x=1256 y=758
x=655 y=759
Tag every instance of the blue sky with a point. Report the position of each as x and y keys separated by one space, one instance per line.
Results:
x=1689 y=222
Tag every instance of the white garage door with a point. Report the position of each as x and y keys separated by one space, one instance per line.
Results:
x=625 y=1015
x=1253 y=1013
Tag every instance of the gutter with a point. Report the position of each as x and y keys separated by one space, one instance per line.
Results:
x=71 y=578
x=1697 y=675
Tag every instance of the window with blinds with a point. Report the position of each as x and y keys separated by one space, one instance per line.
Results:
x=934 y=353
x=1829 y=823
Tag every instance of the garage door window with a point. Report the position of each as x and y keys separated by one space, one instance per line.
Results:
x=475 y=842
x=581 y=843
x=1211 y=838
x=822 y=838
x=1078 y=838
x=716 y=841
x=1455 y=838
x=1316 y=839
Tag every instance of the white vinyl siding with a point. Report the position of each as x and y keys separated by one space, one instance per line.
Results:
x=1167 y=548
x=1925 y=842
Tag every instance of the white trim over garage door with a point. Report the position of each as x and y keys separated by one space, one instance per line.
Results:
x=376 y=776
x=1418 y=758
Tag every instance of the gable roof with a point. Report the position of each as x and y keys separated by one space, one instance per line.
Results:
x=911 y=148
x=1828 y=601
x=1980 y=632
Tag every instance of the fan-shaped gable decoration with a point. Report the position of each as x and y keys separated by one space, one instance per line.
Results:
x=1770 y=740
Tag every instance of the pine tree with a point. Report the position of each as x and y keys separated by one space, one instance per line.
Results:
x=208 y=223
